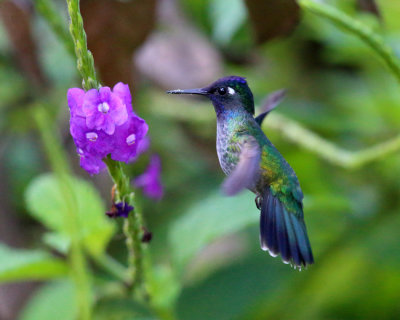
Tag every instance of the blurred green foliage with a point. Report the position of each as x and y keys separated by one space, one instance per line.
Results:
x=53 y=300
x=95 y=232
x=19 y=265
x=207 y=263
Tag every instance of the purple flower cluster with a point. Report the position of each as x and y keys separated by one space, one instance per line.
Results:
x=103 y=123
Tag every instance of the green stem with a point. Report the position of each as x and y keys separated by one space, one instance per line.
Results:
x=60 y=167
x=378 y=151
x=85 y=60
x=120 y=179
x=113 y=267
x=362 y=31
x=132 y=226
x=133 y=232
x=56 y=23
x=293 y=131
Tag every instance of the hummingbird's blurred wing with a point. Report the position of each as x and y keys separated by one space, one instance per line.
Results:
x=247 y=169
x=272 y=100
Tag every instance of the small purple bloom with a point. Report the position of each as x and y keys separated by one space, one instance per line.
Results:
x=103 y=123
x=93 y=142
x=104 y=110
x=90 y=163
x=123 y=92
x=75 y=100
x=143 y=146
x=150 y=180
x=128 y=137
x=120 y=209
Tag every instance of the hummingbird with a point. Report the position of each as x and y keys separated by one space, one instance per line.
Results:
x=250 y=160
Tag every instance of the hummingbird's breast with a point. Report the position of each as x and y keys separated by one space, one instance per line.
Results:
x=228 y=153
x=275 y=171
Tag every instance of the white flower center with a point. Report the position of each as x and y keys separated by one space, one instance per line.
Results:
x=131 y=139
x=80 y=153
x=103 y=107
x=92 y=136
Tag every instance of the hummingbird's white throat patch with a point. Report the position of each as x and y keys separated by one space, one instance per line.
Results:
x=231 y=91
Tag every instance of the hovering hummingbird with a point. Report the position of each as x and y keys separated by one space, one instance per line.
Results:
x=251 y=161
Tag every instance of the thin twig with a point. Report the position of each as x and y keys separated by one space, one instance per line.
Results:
x=359 y=29
x=309 y=140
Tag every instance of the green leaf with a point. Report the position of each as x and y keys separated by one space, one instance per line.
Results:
x=213 y=217
x=47 y=204
x=57 y=241
x=163 y=287
x=54 y=300
x=22 y=265
x=227 y=17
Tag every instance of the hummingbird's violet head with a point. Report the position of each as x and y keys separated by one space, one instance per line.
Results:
x=225 y=93
x=231 y=91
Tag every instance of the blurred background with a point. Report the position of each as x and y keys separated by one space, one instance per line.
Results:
x=205 y=247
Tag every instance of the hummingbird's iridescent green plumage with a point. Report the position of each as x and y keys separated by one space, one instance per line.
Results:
x=251 y=161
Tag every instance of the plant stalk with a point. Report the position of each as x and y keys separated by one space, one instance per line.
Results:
x=60 y=167
x=359 y=29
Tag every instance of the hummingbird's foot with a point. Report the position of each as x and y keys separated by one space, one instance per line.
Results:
x=258 y=201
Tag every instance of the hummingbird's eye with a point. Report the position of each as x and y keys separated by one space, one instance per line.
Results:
x=222 y=90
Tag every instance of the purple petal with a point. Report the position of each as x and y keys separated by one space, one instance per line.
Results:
x=75 y=98
x=95 y=121
x=94 y=142
x=118 y=112
x=91 y=164
x=77 y=127
x=105 y=93
x=144 y=145
x=91 y=101
x=122 y=91
x=128 y=137
x=109 y=126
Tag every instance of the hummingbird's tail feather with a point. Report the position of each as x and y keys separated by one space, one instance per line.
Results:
x=284 y=233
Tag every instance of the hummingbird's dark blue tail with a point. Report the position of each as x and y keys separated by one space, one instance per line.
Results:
x=284 y=233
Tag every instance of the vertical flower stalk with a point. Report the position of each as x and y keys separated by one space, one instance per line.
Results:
x=132 y=227
x=106 y=131
x=84 y=56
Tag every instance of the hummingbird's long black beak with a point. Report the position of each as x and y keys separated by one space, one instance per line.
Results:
x=202 y=92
